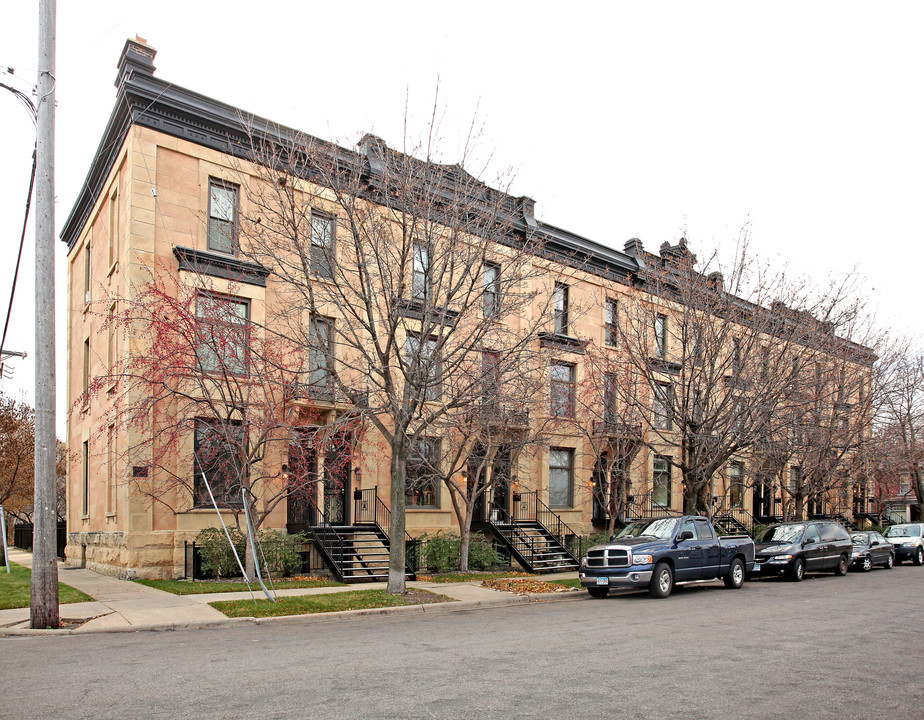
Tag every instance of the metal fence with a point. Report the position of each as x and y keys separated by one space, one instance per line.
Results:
x=22 y=537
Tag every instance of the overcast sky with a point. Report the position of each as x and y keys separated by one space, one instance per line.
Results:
x=654 y=119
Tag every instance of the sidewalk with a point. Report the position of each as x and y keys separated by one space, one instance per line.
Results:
x=122 y=605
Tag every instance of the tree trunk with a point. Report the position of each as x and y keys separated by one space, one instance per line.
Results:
x=396 y=557
x=465 y=536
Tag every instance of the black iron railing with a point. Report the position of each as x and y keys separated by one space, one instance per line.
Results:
x=369 y=509
x=22 y=537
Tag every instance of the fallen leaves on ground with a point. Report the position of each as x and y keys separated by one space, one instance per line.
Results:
x=525 y=586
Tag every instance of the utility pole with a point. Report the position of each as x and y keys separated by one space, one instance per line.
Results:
x=44 y=607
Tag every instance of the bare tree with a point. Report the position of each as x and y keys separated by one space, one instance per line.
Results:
x=203 y=400
x=17 y=448
x=413 y=268
x=722 y=350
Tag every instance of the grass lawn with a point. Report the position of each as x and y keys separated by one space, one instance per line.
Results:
x=333 y=602
x=453 y=577
x=197 y=587
x=14 y=589
x=571 y=582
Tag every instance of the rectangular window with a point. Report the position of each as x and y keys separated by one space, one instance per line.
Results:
x=561 y=477
x=561 y=391
x=86 y=274
x=661 y=481
x=736 y=356
x=490 y=374
x=219 y=448
x=111 y=341
x=322 y=244
x=795 y=478
x=110 y=471
x=661 y=406
x=661 y=336
x=320 y=356
x=421 y=281
x=560 y=300
x=610 y=388
x=611 y=324
x=223 y=208
x=423 y=466
x=86 y=365
x=113 y=228
x=223 y=327
x=735 y=475
x=491 y=290
x=85 y=481
x=424 y=369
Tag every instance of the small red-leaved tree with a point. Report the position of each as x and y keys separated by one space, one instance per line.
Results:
x=204 y=400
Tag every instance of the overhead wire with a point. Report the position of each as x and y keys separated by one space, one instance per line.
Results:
x=33 y=114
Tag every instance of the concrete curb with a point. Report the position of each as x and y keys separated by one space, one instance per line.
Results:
x=425 y=609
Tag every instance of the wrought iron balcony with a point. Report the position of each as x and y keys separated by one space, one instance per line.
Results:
x=618 y=428
x=327 y=394
x=495 y=414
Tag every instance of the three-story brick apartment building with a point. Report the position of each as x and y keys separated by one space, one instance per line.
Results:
x=599 y=384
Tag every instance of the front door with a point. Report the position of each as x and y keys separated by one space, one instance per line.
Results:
x=500 y=474
x=301 y=474
x=763 y=498
x=337 y=467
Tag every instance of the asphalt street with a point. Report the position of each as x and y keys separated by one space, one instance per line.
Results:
x=829 y=647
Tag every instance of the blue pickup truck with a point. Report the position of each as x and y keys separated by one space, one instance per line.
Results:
x=662 y=552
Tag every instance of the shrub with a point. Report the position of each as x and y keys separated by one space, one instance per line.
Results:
x=280 y=549
x=441 y=552
x=216 y=555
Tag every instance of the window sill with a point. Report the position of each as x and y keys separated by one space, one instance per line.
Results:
x=428 y=508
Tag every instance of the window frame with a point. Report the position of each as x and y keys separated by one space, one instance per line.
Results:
x=561 y=307
x=434 y=377
x=428 y=487
x=492 y=290
x=568 y=470
x=421 y=269
x=204 y=323
x=661 y=477
x=234 y=189
x=611 y=322
x=327 y=251
x=561 y=390
x=660 y=331
x=325 y=374
x=661 y=402
x=610 y=398
x=230 y=494
x=735 y=475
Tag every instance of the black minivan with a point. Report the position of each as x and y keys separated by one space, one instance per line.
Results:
x=795 y=548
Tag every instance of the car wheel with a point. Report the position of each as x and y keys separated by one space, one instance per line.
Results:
x=797 y=571
x=889 y=562
x=598 y=592
x=919 y=557
x=867 y=564
x=842 y=565
x=734 y=578
x=662 y=581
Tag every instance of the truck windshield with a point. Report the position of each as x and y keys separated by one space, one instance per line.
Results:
x=781 y=534
x=661 y=528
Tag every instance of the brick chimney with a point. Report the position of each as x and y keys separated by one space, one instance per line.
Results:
x=137 y=56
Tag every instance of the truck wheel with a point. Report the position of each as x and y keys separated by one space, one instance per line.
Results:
x=797 y=571
x=842 y=564
x=919 y=557
x=734 y=578
x=662 y=581
x=598 y=592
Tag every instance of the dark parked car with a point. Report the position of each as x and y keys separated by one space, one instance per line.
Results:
x=795 y=548
x=870 y=548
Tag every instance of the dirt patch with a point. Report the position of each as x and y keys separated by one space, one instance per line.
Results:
x=422 y=597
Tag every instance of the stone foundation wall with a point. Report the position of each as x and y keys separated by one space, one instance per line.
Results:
x=149 y=555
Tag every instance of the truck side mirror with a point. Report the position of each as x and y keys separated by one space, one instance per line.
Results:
x=685 y=535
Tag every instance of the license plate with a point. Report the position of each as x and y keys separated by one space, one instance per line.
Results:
x=603 y=581
x=756 y=567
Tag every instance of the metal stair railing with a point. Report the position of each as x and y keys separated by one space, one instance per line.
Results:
x=369 y=509
x=548 y=519
x=521 y=544
x=330 y=543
